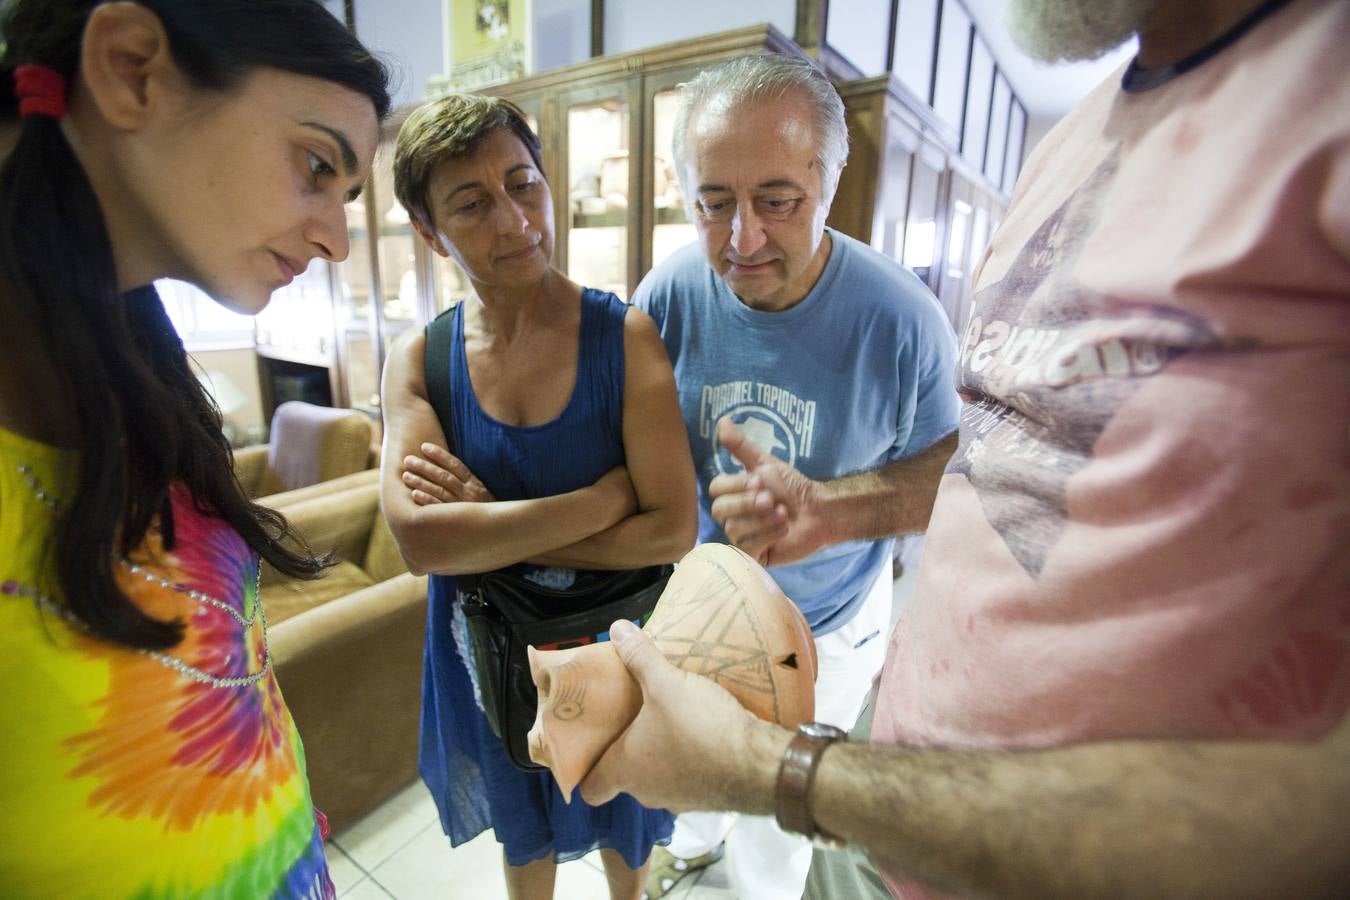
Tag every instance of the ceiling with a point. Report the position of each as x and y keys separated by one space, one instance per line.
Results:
x=1048 y=91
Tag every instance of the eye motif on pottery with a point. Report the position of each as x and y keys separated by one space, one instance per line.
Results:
x=721 y=616
x=568 y=692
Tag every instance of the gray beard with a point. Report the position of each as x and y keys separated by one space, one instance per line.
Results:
x=1075 y=30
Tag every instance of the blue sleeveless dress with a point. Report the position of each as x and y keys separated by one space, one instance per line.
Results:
x=461 y=761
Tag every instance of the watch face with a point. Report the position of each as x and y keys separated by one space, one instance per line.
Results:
x=821 y=730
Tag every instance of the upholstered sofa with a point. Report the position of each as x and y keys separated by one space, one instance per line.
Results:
x=308 y=444
x=348 y=647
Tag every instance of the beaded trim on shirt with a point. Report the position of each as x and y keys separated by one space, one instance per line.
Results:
x=199 y=596
x=44 y=602
x=38 y=491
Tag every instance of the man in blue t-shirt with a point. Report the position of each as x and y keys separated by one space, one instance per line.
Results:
x=815 y=378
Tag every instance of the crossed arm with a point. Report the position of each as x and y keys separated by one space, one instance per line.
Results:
x=639 y=514
x=1110 y=819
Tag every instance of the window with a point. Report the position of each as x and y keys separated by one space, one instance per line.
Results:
x=915 y=44
x=1012 y=154
x=998 y=129
x=949 y=88
x=920 y=252
x=853 y=32
x=201 y=322
x=975 y=131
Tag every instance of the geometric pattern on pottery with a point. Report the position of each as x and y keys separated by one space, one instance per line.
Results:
x=714 y=645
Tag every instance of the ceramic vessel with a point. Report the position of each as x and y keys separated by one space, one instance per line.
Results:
x=721 y=616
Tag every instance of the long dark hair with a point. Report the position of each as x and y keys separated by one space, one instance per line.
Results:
x=144 y=421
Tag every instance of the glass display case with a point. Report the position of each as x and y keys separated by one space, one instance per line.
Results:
x=354 y=314
x=956 y=255
x=671 y=228
x=297 y=323
x=925 y=221
x=398 y=250
x=892 y=206
x=974 y=212
x=890 y=192
x=909 y=193
x=599 y=188
x=384 y=287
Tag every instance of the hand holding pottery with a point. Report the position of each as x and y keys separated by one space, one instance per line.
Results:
x=721 y=616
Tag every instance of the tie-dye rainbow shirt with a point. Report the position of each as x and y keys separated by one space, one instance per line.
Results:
x=132 y=774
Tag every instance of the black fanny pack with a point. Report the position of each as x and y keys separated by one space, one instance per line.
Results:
x=507 y=612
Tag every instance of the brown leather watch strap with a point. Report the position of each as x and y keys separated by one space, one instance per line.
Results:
x=796 y=775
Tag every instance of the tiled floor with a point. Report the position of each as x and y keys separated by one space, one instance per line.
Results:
x=399 y=851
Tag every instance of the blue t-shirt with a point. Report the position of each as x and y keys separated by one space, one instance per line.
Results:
x=856 y=375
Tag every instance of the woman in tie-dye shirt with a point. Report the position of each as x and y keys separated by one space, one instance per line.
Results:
x=145 y=748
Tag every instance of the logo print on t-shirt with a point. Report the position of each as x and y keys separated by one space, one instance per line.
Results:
x=1045 y=365
x=772 y=418
x=762 y=427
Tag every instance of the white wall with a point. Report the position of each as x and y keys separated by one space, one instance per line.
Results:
x=412 y=37
x=635 y=24
x=408 y=35
x=562 y=33
x=241 y=398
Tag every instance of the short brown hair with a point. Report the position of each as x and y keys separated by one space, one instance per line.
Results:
x=451 y=128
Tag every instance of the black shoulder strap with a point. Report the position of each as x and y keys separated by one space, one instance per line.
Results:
x=436 y=370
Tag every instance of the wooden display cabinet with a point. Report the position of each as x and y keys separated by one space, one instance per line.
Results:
x=907 y=192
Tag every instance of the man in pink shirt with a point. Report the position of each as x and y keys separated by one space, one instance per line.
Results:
x=1126 y=666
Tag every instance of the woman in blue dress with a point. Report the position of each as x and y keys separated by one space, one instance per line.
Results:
x=569 y=454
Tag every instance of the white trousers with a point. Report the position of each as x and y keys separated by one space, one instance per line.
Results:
x=763 y=861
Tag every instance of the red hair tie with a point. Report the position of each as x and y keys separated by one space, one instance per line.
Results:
x=41 y=91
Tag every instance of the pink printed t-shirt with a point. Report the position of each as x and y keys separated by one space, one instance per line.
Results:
x=1145 y=530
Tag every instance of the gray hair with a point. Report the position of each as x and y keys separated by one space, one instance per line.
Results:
x=759 y=78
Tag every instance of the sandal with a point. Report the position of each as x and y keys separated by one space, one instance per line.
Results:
x=667 y=869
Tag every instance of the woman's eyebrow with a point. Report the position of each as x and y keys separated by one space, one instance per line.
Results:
x=344 y=145
x=468 y=185
x=479 y=185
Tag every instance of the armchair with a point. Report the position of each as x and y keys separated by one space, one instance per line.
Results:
x=309 y=444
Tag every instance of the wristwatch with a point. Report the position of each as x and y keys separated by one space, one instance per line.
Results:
x=797 y=774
